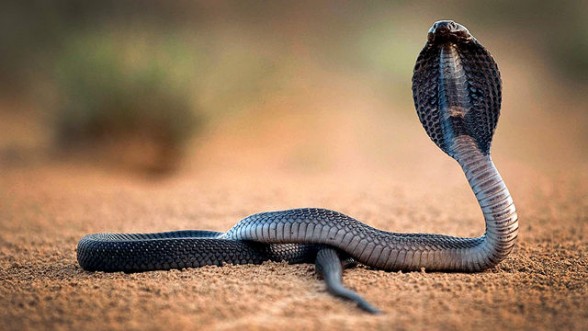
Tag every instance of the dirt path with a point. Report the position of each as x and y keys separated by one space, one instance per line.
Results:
x=362 y=159
x=45 y=210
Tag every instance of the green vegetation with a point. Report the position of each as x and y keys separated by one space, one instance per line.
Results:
x=112 y=86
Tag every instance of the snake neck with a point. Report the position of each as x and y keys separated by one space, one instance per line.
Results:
x=495 y=201
x=454 y=102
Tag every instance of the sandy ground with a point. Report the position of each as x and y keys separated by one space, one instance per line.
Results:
x=46 y=209
x=371 y=164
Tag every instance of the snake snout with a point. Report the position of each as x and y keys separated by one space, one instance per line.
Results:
x=448 y=31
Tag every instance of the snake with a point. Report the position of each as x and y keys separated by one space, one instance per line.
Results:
x=457 y=94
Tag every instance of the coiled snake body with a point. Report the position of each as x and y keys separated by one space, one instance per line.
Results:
x=457 y=95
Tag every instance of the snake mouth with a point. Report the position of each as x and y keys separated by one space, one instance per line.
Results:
x=447 y=31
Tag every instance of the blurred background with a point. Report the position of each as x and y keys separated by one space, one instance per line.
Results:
x=157 y=87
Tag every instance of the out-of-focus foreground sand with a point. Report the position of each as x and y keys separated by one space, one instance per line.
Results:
x=356 y=158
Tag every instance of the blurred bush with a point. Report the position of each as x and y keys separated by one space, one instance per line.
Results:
x=116 y=87
x=152 y=72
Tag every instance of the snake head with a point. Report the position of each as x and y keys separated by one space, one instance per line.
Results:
x=456 y=87
x=448 y=31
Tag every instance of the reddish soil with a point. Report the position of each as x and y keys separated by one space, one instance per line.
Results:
x=375 y=166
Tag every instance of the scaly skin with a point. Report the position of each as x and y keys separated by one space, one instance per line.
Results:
x=457 y=94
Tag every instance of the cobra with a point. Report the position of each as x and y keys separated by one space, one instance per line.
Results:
x=457 y=95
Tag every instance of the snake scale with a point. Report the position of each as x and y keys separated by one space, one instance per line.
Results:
x=457 y=95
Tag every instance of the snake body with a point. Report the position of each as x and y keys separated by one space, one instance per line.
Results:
x=457 y=95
